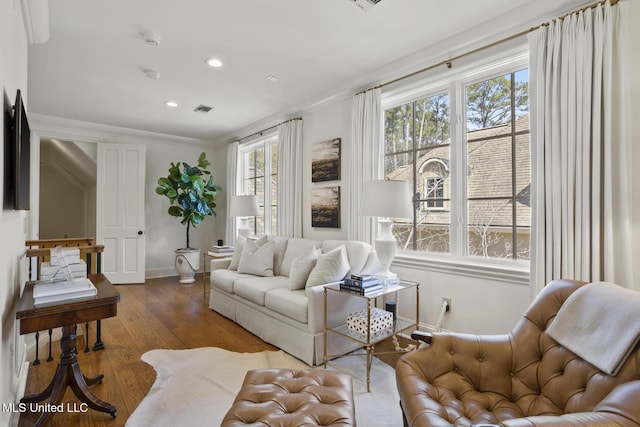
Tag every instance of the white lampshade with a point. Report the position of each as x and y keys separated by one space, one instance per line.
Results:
x=386 y=199
x=243 y=205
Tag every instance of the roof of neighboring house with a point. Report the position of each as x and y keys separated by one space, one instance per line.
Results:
x=489 y=160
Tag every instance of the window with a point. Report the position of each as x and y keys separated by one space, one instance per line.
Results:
x=259 y=175
x=463 y=144
x=434 y=193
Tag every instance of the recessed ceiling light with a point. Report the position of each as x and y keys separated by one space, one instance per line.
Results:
x=272 y=78
x=171 y=104
x=213 y=62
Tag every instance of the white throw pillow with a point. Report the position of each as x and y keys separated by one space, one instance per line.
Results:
x=237 y=253
x=330 y=267
x=257 y=259
x=296 y=247
x=300 y=269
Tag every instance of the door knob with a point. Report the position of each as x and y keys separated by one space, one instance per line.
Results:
x=140 y=233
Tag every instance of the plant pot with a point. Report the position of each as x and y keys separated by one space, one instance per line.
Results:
x=187 y=264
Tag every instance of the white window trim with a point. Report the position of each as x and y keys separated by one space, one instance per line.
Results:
x=268 y=140
x=459 y=263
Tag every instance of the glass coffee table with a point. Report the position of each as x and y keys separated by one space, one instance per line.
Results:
x=370 y=338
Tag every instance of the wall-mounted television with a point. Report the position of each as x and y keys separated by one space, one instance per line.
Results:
x=20 y=155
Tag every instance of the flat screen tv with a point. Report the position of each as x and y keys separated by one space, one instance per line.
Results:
x=21 y=155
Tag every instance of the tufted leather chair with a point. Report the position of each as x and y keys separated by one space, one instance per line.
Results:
x=520 y=379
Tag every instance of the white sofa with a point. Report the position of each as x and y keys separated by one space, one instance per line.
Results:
x=290 y=319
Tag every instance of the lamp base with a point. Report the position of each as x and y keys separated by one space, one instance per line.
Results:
x=386 y=246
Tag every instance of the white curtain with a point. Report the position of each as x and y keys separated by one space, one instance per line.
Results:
x=580 y=188
x=365 y=160
x=232 y=185
x=290 y=178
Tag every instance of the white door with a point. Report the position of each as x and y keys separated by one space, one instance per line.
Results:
x=120 y=211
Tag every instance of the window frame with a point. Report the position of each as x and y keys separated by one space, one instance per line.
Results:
x=472 y=71
x=266 y=141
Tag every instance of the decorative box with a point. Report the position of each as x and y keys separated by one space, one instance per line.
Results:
x=380 y=320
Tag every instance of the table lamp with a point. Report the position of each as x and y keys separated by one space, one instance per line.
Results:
x=386 y=199
x=243 y=207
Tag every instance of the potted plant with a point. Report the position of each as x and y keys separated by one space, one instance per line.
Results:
x=192 y=197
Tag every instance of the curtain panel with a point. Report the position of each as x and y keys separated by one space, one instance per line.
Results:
x=365 y=160
x=579 y=137
x=290 y=178
x=232 y=185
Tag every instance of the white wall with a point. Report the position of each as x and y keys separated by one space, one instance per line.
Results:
x=329 y=122
x=633 y=10
x=13 y=76
x=164 y=233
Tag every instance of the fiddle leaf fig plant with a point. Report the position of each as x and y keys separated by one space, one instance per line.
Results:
x=191 y=192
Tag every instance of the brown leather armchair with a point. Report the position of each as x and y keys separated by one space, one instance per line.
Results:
x=523 y=378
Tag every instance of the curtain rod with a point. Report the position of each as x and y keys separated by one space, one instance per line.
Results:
x=448 y=62
x=264 y=130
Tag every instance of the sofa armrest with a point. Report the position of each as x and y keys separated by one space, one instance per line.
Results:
x=624 y=400
x=460 y=362
x=219 y=264
x=338 y=308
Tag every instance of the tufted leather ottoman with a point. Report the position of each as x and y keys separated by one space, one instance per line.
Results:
x=291 y=398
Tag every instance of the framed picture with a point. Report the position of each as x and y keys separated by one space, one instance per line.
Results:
x=325 y=161
x=325 y=207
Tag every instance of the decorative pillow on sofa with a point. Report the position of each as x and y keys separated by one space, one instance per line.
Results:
x=330 y=267
x=300 y=269
x=295 y=247
x=257 y=257
x=237 y=252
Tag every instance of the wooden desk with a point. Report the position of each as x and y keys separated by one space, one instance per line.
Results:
x=66 y=315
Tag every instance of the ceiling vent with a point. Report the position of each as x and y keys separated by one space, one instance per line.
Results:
x=204 y=109
x=365 y=4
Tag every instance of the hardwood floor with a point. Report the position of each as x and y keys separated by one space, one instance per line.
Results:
x=159 y=314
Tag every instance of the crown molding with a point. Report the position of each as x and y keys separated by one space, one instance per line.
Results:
x=35 y=16
x=81 y=131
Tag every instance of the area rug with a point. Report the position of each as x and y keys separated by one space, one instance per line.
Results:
x=196 y=387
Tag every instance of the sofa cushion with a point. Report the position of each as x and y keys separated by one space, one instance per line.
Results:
x=330 y=267
x=224 y=279
x=257 y=259
x=235 y=258
x=295 y=247
x=254 y=288
x=279 y=249
x=292 y=304
x=357 y=252
x=300 y=269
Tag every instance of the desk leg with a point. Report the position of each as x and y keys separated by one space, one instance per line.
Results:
x=68 y=374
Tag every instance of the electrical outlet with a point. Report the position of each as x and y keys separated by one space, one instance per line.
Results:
x=448 y=301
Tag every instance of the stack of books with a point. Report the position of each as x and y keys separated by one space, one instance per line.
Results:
x=45 y=292
x=362 y=284
x=221 y=250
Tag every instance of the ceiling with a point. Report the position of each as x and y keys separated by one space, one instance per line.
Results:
x=92 y=67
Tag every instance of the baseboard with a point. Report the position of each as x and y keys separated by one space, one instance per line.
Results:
x=22 y=388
